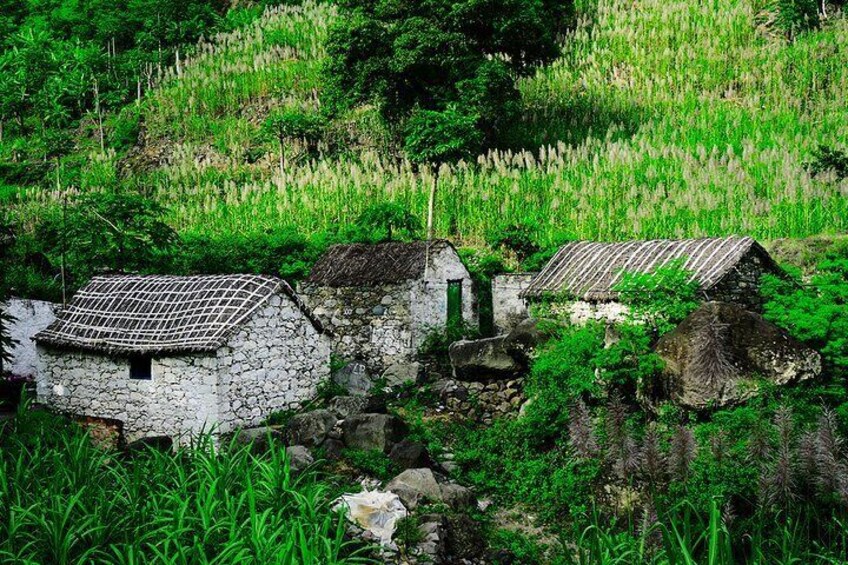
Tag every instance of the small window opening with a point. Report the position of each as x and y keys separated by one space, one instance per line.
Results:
x=140 y=367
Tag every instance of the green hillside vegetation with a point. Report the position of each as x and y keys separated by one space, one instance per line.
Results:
x=659 y=119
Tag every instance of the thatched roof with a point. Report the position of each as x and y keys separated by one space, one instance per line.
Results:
x=362 y=264
x=590 y=270
x=130 y=314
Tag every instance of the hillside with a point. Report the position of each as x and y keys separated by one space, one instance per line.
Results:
x=660 y=119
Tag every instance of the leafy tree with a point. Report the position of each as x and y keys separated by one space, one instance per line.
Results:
x=419 y=62
x=387 y=220
x=288 y=124
x=115 y=230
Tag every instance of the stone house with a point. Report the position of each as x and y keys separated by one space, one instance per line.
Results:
x=580 y=280
x=381 y=301
x=172 y=356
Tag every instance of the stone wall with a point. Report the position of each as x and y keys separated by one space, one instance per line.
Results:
x=368 y=324
x=742 y=284
x=580 y=312
x=481 y=401
x=29 y=318
x=274 y=362
x=180 y=398
x=508 y=308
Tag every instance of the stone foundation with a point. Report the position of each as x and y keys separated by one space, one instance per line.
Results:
x=481 y=401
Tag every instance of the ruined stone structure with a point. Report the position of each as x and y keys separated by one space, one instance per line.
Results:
x=580 y=280
x=176 y=356
x=509 y=308
x=380 y=302
x=28 y=318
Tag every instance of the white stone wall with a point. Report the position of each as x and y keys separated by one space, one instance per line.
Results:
x=29 y=318
x=370 y=324
x=180 y=399
x=430 y=296
x=508 y=308
x=274 y=362
x=580 y=311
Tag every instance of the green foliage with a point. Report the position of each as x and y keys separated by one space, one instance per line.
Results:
x=328 y=389
x=662 y=297
x=387 y=221
x=114 y=230
x=815 y=311
x=788 y=17
x=438 y=340
x=64 y=501
x=441 y=136
x=518 y=239
x=408 y=533
x=288 y=123
x=282 y=252
x=372 y=462
x=829 y=159
x=420 y=63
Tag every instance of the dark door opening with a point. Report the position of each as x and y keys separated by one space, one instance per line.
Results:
x=454 y=303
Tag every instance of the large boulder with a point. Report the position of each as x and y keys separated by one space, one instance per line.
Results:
x=372 y=431
x=418 y=485
x=299 y=458
x=408 y=454
x=310 y=428
x=259 y=438
x=521 y=342
x=346 y=406
x=399 y=374
x=414 y=486
x=721 y=354
x=483 y=359
x=354 y=378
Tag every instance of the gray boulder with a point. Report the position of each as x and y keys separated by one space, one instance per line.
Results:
x=401 y=373
x=523 y=340
x=457 y=496
x=354 y=377
x=483 y=359
x=299 y=457
x=721 y=354
x=415 y=485
x=408 y=454
x=260 y=438
x=310 y=428
x=345 y=406
x=372 y=431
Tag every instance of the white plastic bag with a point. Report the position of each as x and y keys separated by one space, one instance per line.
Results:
x=375 y=511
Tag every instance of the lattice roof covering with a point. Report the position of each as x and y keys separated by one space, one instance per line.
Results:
x=362 y=264
x=157 y=314
x=590 y=270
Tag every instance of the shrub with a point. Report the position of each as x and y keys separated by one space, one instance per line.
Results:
x=372 y=462
x=386 y=221
x=815 y=312
x=662 y=297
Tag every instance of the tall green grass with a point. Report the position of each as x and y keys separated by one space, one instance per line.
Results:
x=662 y=118
x=64 y=501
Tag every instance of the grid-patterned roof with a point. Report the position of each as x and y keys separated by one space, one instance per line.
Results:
x=361 y=264
x=590 y=270
x=158 y=314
